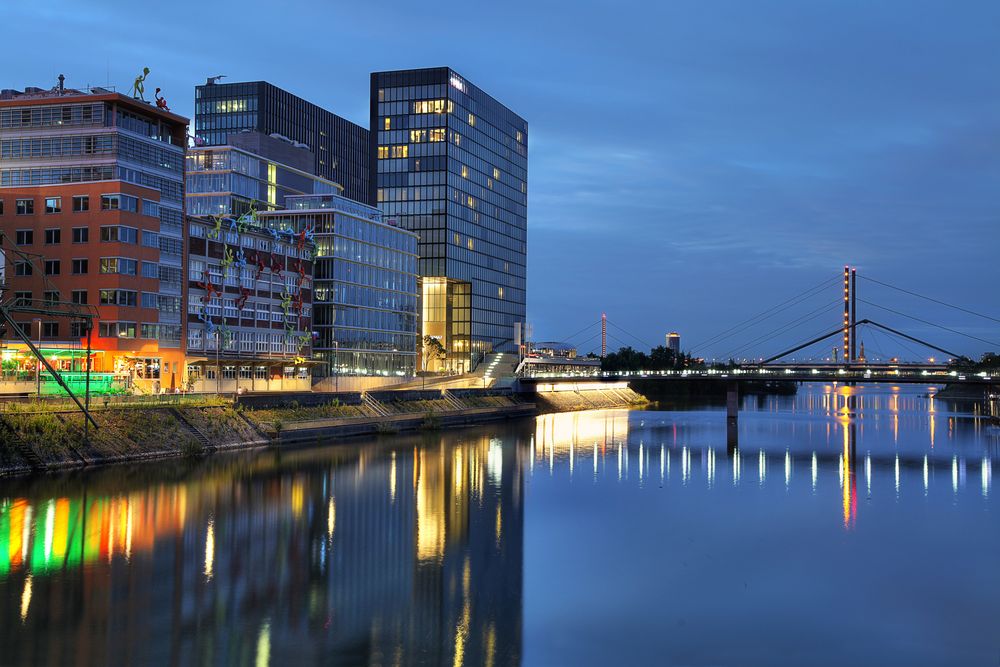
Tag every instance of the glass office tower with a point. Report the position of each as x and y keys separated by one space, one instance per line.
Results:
x=254 y=171
x=339 y=146
x=365 y=294
x=450 y=163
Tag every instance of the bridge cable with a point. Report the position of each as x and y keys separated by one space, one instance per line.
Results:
x=765 y=314
x=774 y=333
x=585 y=342
x=954 y=331
x=812 y=338
x=570 y=338
x=899 y=340
x=623 y=343
x=872 y=337
x=943 y=303
x=622 y=329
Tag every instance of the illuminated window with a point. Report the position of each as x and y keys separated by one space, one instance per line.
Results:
x=470 y=201
x=496 y=173
x=272 y=180
x=489 y=183
x=458 y=139
x=437 y=134
x=465 y=171
x=400 y=151
x=500 y=292
x=383 y=152
x=471 y=244
x=520 y=137
x=418 y=136
x=458 y=239
x=387 y=123
x=430 y=106
x=472 y=120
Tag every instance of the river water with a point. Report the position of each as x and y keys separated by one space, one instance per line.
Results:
x=850 y=526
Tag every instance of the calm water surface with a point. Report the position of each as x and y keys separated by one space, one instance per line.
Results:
x=850 y=526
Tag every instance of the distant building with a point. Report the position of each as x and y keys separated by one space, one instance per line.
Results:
x=365 y=295
x=450 y=163
x=92 y=185
x=554 y=349
x=340 y=147
x=674 y=342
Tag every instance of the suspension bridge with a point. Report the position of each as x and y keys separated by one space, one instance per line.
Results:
x=846 y=361
x=836 y=351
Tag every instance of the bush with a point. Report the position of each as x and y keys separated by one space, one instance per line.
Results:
x=431 y=422
x=386 y=428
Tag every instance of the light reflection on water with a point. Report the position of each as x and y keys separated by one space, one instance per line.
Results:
x=605 y=537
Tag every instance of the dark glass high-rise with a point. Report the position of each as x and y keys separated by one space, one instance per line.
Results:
x=340 y=146
x=450 y=162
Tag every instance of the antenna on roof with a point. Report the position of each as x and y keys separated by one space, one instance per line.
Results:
x=212 y=80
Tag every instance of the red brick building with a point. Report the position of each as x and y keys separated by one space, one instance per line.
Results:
x=92 y=186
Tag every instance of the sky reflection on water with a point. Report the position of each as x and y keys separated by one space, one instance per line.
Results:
x=850 y=525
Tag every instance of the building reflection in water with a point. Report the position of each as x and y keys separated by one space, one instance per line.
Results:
x=846 y=415
x=339 y=556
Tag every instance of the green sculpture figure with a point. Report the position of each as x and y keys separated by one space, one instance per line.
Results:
x=217 y=227
x=139 y=87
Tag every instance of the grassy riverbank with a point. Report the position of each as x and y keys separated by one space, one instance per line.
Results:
x=50 y=435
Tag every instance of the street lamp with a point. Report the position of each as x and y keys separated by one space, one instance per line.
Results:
x=38 y=362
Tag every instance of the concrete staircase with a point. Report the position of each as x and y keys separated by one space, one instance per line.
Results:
x=499 y=366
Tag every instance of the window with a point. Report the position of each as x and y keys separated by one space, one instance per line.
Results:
x=119 y=234
x=79 y=295
x=151 y=239
x=53 y=236
x=119 y=265
x=119 y=202
x=22 y=298
x=22 y=269
x=151 y=208
x=25 y=206
x=77 y=329
x=50 y=329
x=53 y=204
x=80 y=266
x=150 y=270
x=472 y=120
x=50 y=296
x=1 y=207
x=81 y=234
x=81 y=203
x=118 y=297
x=52 y=267
x=24 y=237
x=116 y=330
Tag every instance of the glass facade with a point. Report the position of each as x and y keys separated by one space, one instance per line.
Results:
x=450 y=164
x=340 y=147
x=229 y=181
x=101 y=178
x=365 y=297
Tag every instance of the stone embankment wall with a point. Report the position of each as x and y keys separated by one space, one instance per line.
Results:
x=45 y=436
x=588 y=398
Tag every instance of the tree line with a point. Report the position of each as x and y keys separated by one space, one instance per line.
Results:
x=660 y=358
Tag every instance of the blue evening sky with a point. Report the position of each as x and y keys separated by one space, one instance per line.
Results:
x=690 y=163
